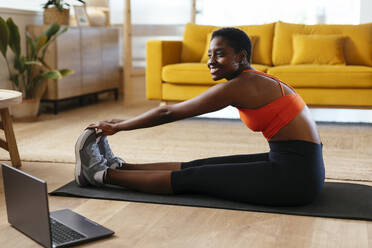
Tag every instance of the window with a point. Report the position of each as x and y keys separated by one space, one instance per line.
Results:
x=164 y=12
x=241 y=12
x=221 y=12
x=35 y=5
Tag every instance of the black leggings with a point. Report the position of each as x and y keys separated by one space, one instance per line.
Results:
x=292 y=173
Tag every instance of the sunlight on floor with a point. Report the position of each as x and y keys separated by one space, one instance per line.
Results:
x=319 y=115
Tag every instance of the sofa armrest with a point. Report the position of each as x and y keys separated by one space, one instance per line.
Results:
x=158 y=54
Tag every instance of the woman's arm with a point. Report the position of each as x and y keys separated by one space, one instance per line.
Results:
x=215 y=98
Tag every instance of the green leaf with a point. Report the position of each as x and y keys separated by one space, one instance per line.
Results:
x=40 y=42
x=19 y=64
x=14 y=79
x=4 y=36
x=51 y=30
x=31 y=46
x=66 y=72
x=53 y=74
x=14 y=37
x=31 y=62
x=53 y=38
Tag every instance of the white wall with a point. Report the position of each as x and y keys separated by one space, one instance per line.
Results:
x=22 y=18
x=365 y=11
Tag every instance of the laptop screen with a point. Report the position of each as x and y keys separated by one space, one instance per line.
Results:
x=27 y=204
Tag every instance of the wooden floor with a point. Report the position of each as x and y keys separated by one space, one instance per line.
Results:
x=155 y=225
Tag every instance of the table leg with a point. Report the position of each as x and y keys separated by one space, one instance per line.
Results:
x=7 y=125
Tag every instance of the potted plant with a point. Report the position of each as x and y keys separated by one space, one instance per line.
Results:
x=57 y=11
x=27 y=72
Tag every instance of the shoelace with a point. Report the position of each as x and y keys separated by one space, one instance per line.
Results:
x=95 y=156
x=108 y=153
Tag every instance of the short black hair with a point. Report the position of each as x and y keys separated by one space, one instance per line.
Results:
x=236 y=38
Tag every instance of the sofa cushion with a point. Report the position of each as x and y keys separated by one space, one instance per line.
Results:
x=193 y=73
x=195 y=39
x=262 y=53
x=181 y=92
x=357 y=47
x=205 y=57
x=260 y=67
x=189 y=73
x=336 y=97
x=324 y=76
x=309 y=49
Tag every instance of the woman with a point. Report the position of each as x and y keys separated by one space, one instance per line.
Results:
x=292 y=173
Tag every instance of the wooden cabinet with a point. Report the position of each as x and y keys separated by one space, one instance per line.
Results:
x=91 y=52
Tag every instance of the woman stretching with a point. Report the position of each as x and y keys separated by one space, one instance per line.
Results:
x=292 y=173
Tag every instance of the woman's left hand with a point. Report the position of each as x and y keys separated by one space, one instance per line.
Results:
x=107 y=127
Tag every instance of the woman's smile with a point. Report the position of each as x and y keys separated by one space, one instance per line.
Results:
x=213 y=70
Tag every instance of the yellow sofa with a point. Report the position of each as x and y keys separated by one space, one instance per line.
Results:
x=328 y=65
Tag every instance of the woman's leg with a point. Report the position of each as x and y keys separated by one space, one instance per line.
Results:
x=158 y=182
x=169 y=166
x=256 y=182
x=287 y=178
x=156 y=177
x=292 y=175
x=173 y=166
x=262 y=182
x=232 y=159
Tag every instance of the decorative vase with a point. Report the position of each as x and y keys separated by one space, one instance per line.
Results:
x=53 y=15
x=97 y=16
x=27 y=110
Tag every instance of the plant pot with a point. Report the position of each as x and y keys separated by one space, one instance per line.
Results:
x=27 y=110
x=53 y=15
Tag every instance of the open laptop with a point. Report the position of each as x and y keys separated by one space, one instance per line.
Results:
x=28 y=211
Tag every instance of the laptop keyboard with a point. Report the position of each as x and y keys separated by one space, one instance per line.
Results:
x=62 y=234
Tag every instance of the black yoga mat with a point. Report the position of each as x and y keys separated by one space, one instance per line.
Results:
x=337 y=200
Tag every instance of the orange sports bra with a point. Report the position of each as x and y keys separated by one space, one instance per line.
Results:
x=269 y=119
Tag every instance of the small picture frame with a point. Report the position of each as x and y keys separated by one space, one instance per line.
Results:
x=81 y=16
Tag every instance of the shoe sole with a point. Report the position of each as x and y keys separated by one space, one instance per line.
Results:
x=79 y=177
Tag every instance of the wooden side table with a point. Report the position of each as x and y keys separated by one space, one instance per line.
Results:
x=8 y=98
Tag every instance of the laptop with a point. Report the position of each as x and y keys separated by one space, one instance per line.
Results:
x=27 y=207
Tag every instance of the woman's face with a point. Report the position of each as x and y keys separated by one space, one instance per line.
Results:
x=223 y=61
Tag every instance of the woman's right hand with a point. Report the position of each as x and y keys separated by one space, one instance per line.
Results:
x=106 y=127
